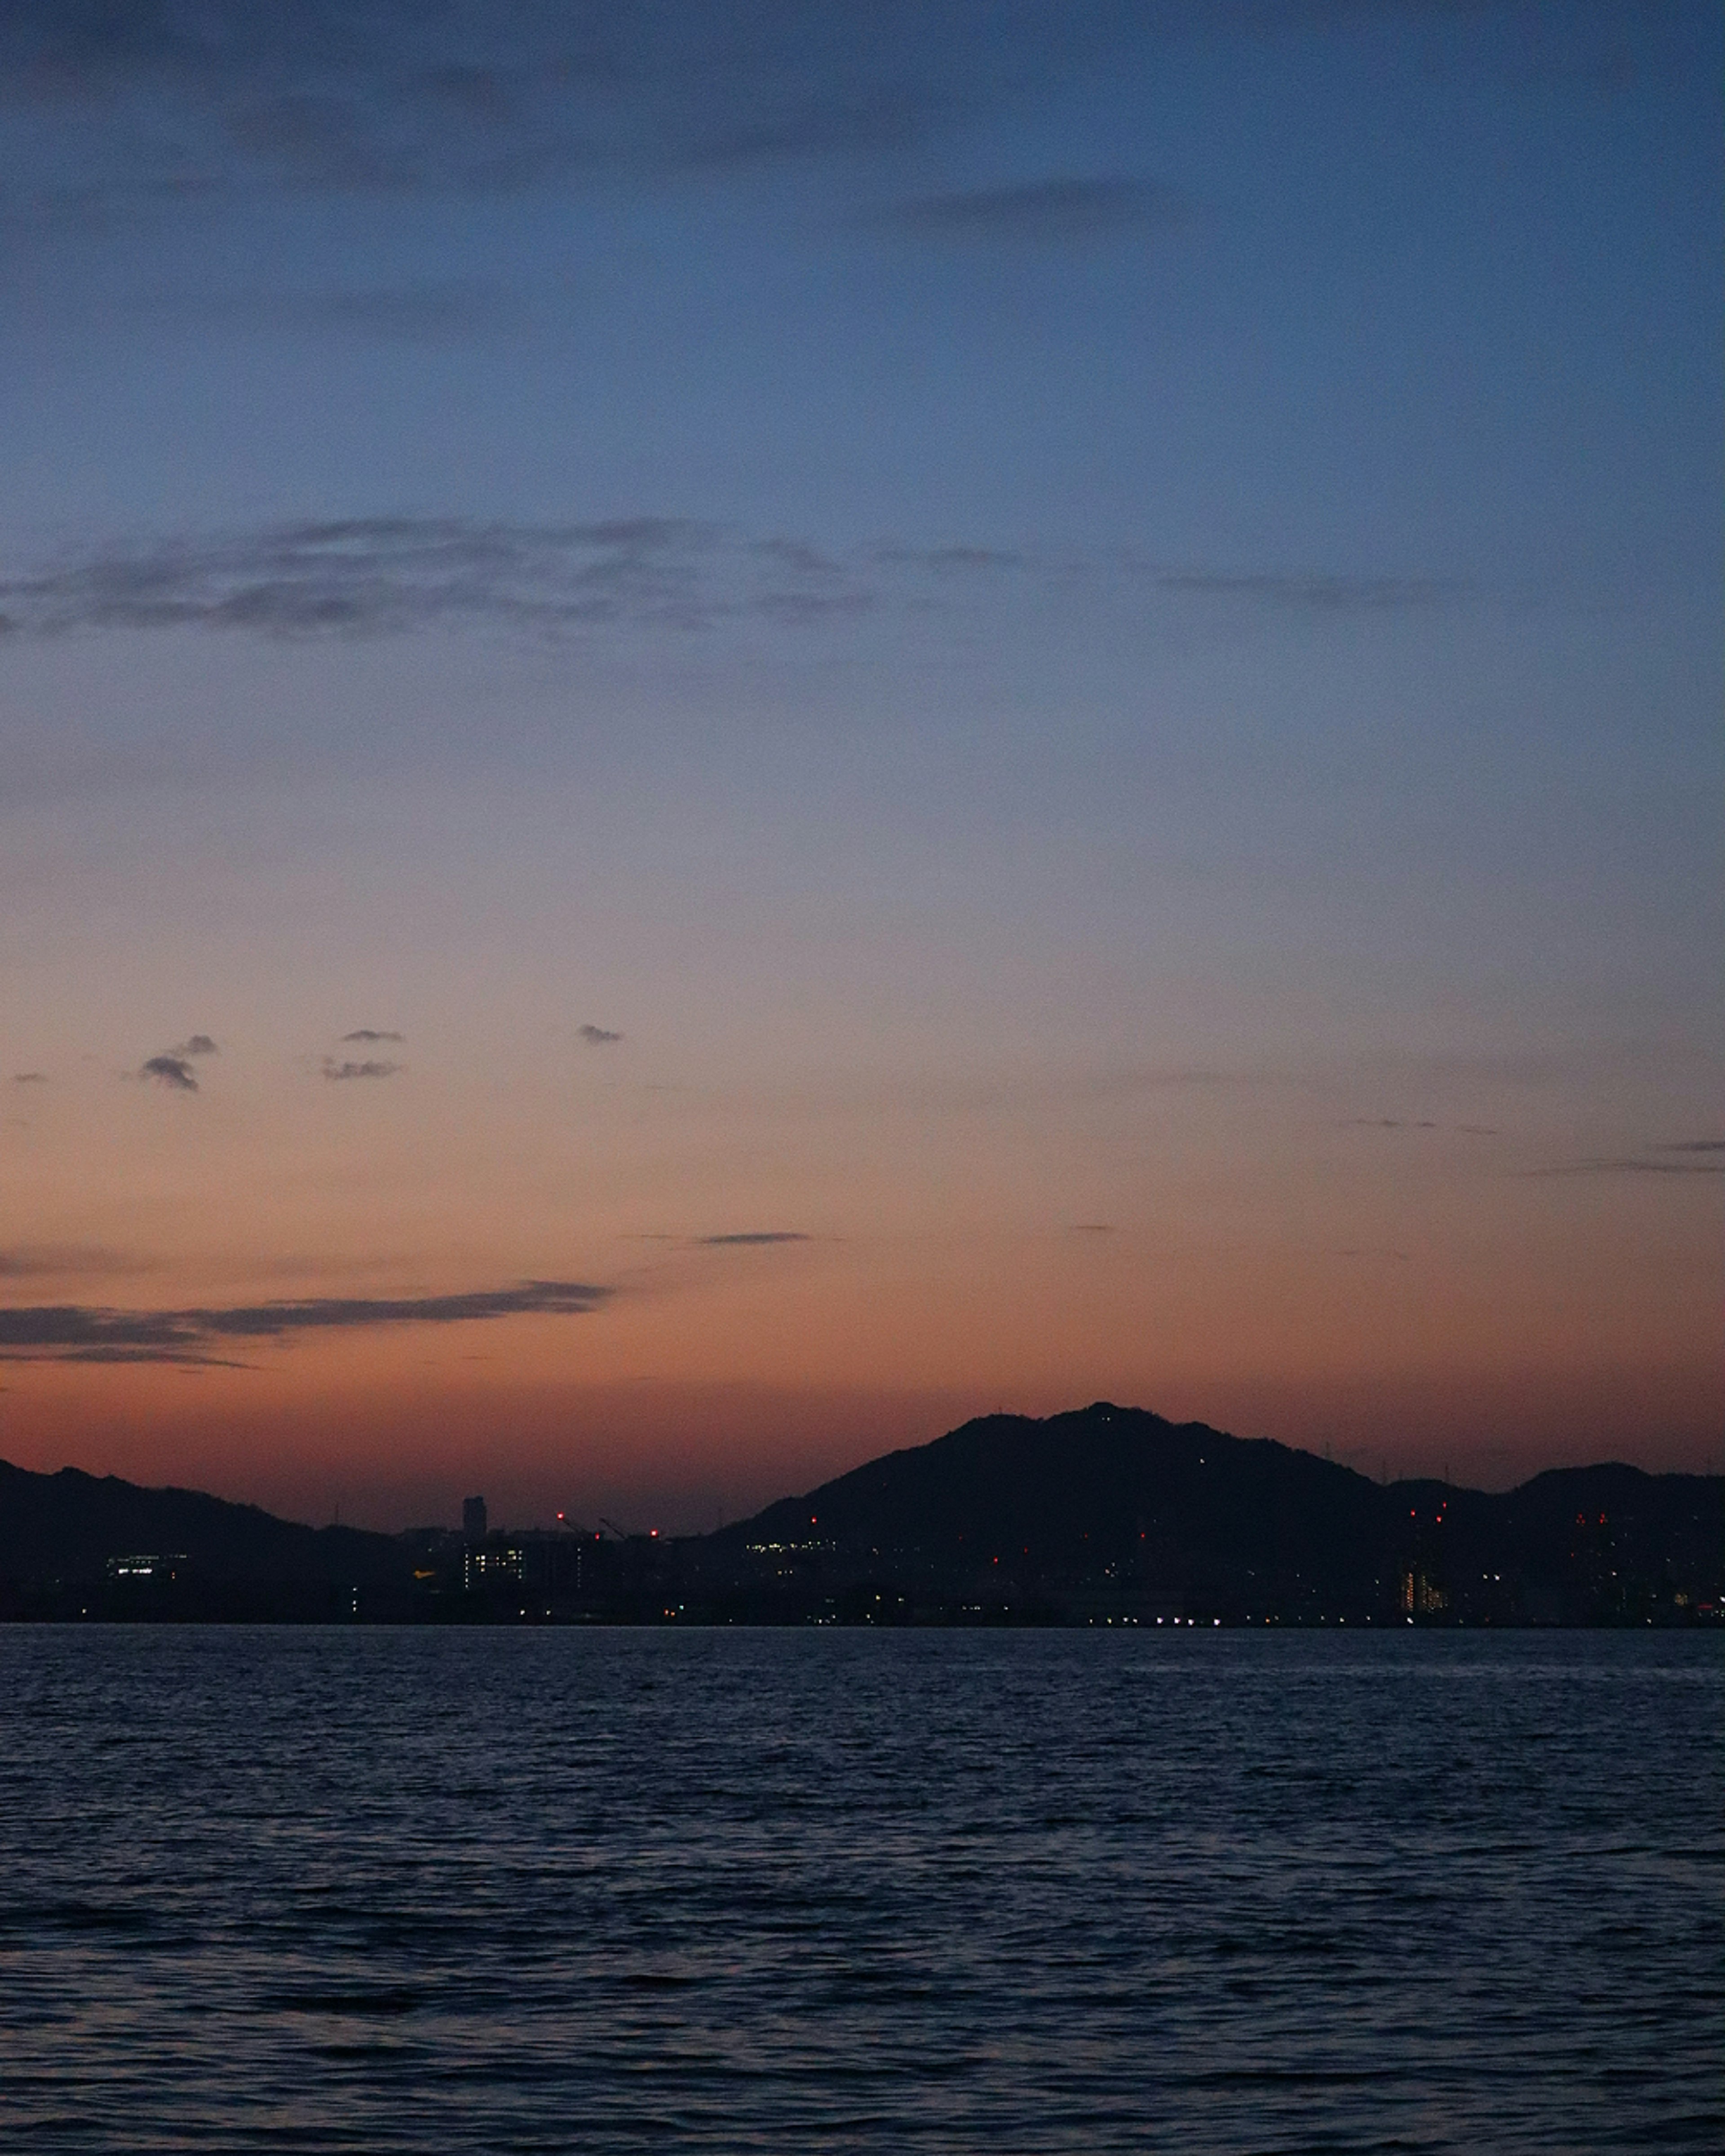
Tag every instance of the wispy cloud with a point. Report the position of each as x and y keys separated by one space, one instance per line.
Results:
x=29 y=1078
x=200 y=1044
x=385 y=574
x=365 y=1035
x=1630 y=1164
x=751 y=1236
x=1696 y=1145
x=173 y=1071
x=1038 y=212
x=155 y=105
x=1309 y=592
x=1418 y=1123
x=370 y=1068
x=432 y=314
x=598 y=1036
x=76 y=1333
x=394 y=574
x=58 y=1260
x=950 y=557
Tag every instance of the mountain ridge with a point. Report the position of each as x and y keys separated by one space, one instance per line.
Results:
x=1101 y=1513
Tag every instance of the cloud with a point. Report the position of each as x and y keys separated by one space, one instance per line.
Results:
x=754 y=1236
x=52 y=1260
x=1631 y=1166
x=391 y=574
x=173 y=1071
x=394 y=574
x=1039 y=212
x=1091 y=1227
x=153 y=107
x=367 y=1032
x=950 y=557
x=1696 y=1145
x=200 y=1044
x=420 y=314
x=29 y=1078
x=1309 y=592
x=86 y=1334
x=596 y=1036
x=331 y=1068
x=1408 y=1123
x=153 y=104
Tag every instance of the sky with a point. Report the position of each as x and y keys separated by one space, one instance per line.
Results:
x=729 y=730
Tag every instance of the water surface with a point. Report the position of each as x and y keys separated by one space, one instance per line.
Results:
x=378 y=1890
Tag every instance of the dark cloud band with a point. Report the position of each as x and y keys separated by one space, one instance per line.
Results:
x=752 y=1237
x=85 y=1332
x=390 y=575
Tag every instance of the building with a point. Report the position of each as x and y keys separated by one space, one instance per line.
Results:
x=494 y=1565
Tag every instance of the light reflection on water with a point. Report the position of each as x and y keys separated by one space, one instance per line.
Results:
x=451 y=1891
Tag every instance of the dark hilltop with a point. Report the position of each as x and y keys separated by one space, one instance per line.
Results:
x=1106 y=1515
x=1112 y=1514
x=75 y=1545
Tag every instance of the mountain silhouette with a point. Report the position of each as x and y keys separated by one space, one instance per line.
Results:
x=1106 y=1514
x=1112 y=1509
x=58 y=1533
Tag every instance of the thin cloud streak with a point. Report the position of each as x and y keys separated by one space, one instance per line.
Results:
x=433 y=314
x=369 y=1069
x=1312 y=593
x=751 y=1238
x=1420 y=1123
x=154 y=106
x=55 y=1260
x=81 y=1332
x=1630 y=1166
x=391 y=575
x=1038 y=212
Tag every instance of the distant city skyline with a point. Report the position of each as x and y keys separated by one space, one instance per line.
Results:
x=726 y=731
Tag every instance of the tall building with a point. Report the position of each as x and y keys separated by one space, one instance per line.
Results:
x=473 y=1518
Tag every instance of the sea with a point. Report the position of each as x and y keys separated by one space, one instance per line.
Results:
x=1189 y=1890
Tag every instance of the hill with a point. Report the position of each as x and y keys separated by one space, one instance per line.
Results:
x=1104 y=1515
x=58 y=1533
x=1113 y=1510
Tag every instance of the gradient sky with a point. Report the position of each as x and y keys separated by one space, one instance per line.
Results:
x=726 y=730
